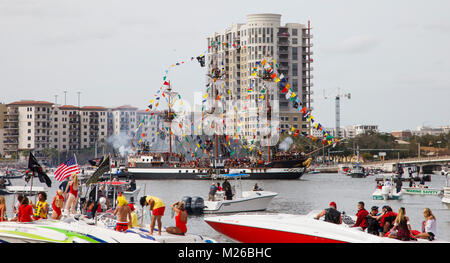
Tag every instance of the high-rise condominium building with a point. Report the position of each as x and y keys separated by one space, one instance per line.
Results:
x=236 y=51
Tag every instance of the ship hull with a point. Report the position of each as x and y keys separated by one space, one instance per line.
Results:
x=195 y=174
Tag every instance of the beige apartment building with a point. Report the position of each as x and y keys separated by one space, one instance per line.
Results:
x=93 y=126
x=27 y=127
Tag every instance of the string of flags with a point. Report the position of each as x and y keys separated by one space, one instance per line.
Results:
x=195 y=143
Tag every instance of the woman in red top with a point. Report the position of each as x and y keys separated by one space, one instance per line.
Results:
x=25 y=211
x=73 y=193
x=58 y=203
x=180 y=219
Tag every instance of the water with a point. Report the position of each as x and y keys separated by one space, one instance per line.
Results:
x=311 y=192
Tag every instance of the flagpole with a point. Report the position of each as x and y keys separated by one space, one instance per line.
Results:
x=79 y=185
x=110 y=176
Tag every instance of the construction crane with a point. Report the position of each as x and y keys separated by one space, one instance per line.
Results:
x=338 y=109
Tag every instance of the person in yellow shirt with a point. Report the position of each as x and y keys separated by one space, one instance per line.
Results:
x=134 y=217
x=41 y=207
x=157 y=207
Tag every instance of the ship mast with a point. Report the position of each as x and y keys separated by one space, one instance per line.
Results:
x=215 y=75
x=170 y=115
x=265 y=76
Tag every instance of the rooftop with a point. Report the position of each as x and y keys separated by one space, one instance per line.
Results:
x=30 y=103
x=93 y=108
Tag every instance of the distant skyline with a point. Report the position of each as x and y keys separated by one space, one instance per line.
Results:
x=392 y=56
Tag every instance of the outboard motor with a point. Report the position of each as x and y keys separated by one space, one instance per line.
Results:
x=187 y=204
x=197 y=205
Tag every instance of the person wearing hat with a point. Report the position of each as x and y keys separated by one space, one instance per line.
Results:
x=332 y=215
x=124 y=214
x=373 y=225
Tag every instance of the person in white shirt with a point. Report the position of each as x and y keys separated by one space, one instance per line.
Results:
x=428 y=226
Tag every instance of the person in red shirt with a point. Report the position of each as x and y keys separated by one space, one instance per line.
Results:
x=386 y=219
x=25 y=211
x=361 y=216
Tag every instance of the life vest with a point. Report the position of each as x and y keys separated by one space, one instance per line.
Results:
x=39 y=213
x=332 y=215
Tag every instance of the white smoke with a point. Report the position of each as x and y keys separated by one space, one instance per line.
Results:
x=121 y=142
x=286 y=144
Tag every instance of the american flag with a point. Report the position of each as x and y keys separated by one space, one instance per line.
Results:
x=66 y=169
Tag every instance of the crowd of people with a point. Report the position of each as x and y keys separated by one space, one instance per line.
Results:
x=386 y=223
x=26 y=211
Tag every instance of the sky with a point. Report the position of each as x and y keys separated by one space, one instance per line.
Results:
x=392 y=56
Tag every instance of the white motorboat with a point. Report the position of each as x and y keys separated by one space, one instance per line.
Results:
x=24 y=189
x=70 y=230
x=357 y=171
x=287 y=228
x=446 y=197
x=248 y=201
x=388 y=190
x=244 y=201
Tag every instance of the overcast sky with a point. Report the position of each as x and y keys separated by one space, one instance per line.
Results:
x=392 y=56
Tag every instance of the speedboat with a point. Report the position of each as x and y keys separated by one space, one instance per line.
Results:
x=288 y=228
x=446 y=198
x=387 y=191
x=245 y=201
x=248 y=201
x=70 y=230
x=357 y=172
x=24 y=189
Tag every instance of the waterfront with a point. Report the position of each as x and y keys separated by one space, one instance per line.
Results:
x=311 y=192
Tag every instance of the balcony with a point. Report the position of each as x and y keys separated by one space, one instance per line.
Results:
x=283 y=34
x=282 y=42
x=307 y=36
x=308 y=68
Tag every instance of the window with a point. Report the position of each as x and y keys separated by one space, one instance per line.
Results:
x=29 y=130
x=294 y=41
x=29 y=123
x=294 y=69
x=294 y=32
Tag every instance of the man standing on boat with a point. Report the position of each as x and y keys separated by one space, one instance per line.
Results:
x=331 y=214
x=398 y=184
x=212 y=192
x=157 y=207
x=227 y=188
